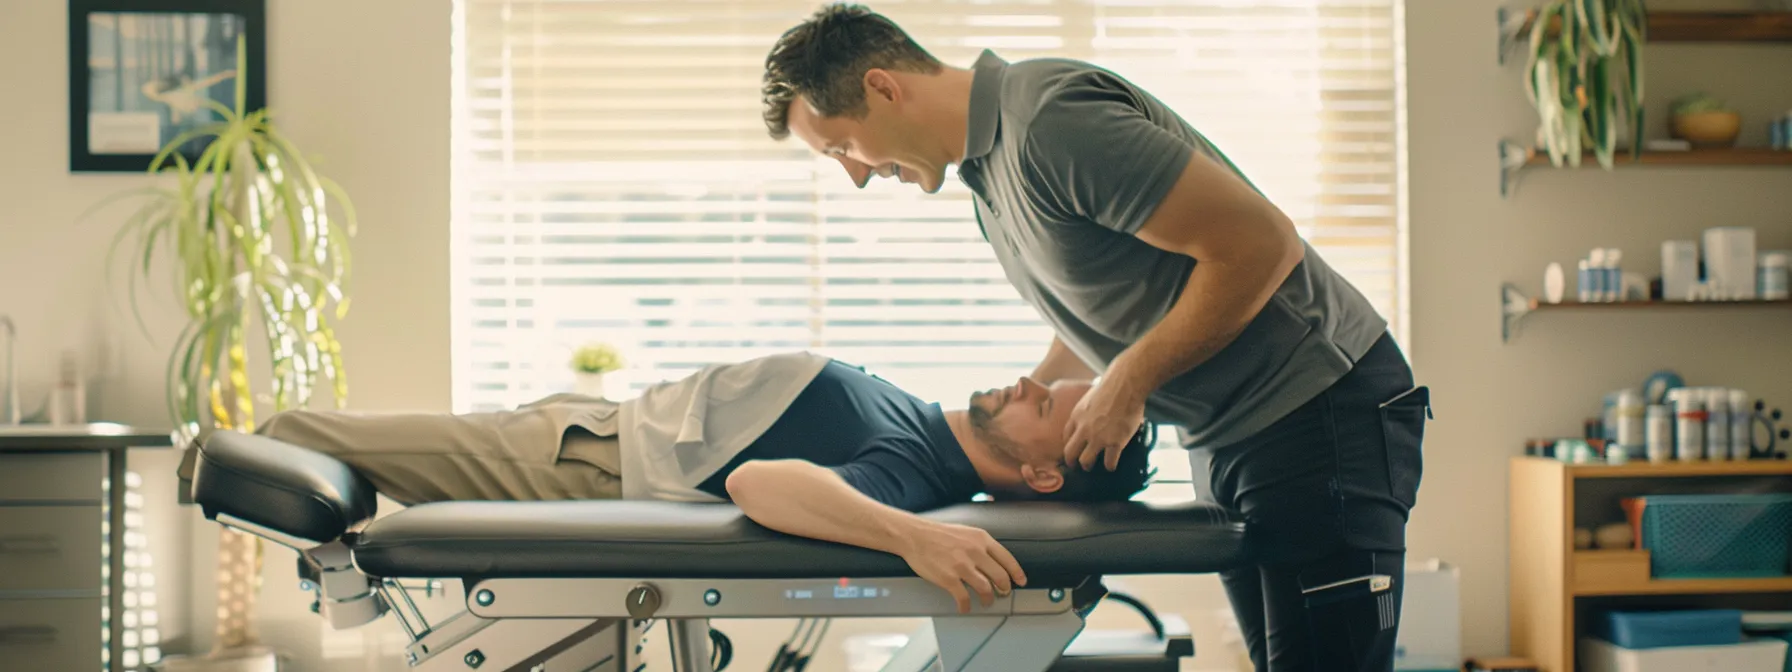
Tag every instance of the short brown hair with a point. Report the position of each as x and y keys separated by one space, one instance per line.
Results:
x=1098 y=484
x=824 y=58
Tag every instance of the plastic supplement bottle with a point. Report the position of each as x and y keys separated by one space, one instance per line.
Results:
x=1660 y=434
x=1629 y=432
x=1717 y=424
x=1741 y=419
x=1773 y=270
x=1689 y=425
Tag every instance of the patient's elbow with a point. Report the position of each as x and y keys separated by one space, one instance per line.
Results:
x=745 y=481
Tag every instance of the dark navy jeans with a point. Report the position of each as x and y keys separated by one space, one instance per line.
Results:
x=1327 y=491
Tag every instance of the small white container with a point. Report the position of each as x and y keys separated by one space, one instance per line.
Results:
x=1774 y=275
x=1741 y=417
x=1660 y=434
x=1730 y=262
x=1762 y=655
x=1630 y=420
x=1717 y=424
x=1679 y=269
x=1689 y=424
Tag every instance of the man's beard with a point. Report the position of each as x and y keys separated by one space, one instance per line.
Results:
x=983 y=426
x=981 y=419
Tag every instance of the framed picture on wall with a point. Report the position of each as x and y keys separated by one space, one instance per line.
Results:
x=140 y=72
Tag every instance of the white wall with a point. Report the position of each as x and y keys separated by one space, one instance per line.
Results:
x=364 y=86
x=1491 y=396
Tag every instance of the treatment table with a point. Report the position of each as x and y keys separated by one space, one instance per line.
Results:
x=572 y=585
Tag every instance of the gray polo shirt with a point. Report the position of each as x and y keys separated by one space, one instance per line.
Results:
x=1067 y=161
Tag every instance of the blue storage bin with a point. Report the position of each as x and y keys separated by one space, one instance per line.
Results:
x=1716 y=536
x=1653 y=629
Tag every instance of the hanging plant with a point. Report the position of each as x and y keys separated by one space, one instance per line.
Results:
x=1585 y=77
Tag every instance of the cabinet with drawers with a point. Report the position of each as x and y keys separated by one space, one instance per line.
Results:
x=58 y=519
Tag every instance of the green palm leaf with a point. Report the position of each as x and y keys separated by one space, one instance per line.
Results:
x=255 y=245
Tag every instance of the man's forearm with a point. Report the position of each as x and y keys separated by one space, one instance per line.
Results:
x=1221 y=298
x=803 y=499
x=1061 y=364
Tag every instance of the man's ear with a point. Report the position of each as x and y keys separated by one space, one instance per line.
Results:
x=880 y=83
x=1042 y=479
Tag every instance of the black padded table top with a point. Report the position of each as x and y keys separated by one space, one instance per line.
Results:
x=307 y=494
x=648 y=539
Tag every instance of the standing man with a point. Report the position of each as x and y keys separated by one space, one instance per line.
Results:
x=1163 y=269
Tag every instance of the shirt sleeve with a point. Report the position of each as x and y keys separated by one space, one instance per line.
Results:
x=1092 y=154
x=895 y=478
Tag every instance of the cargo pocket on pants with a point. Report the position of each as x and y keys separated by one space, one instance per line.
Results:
x=1403 y=435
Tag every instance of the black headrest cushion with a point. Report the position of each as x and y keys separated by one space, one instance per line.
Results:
x=288 y=488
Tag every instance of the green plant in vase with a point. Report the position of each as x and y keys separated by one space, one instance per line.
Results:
x=589 y=364
x=258 y=261
x=1704 y=120
x=1585 y=77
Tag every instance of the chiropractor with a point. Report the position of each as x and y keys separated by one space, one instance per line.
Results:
x=1164 y=270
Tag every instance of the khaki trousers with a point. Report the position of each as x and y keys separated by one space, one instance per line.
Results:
x=532 y=453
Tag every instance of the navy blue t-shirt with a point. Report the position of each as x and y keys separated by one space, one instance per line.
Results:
x=886 y=443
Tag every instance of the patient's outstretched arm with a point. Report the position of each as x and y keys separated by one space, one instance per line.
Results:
x=808 y=500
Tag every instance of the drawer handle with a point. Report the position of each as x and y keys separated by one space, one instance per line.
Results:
x=28 y=545
x=28 y=634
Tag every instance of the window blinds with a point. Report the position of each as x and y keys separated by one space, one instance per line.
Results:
x=613 y=181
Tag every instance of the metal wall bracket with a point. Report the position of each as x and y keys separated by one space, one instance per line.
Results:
x=1514 y=31
x=1514 y=306
x=1513 y=159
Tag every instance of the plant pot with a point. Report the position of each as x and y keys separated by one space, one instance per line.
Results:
x=1707 y=129
x=588 y=383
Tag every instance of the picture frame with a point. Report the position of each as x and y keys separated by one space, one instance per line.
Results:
x=139 y=69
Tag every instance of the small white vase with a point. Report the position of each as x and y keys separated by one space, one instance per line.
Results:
x=588 y=383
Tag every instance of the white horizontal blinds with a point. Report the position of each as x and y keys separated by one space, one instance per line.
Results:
x=1299 y=93
x=613 y=181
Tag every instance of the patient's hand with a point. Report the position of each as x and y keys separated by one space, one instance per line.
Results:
x=955 y=556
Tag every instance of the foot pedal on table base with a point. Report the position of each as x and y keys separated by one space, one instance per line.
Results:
x=1125 y=651
x=1159 y=649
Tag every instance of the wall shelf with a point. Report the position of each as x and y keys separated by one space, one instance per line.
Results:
x=1515 y=306
x=1737 y=156
x=1514 y=27
x=1515 y=158
x=1718 y=27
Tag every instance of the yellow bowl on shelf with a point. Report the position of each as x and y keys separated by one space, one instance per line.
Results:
x=1708 y=129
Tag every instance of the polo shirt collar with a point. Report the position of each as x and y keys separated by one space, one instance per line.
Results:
x=985 y=114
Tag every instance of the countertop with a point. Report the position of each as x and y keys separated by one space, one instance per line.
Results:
x=89 y=436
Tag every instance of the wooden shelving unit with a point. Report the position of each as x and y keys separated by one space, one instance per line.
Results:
x=1551 y=585
x=1664 y=27
x=1515 y=306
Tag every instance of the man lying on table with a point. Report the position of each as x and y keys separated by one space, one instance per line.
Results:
x=803 y=444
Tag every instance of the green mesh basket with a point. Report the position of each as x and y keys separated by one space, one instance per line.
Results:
x=1717 y=536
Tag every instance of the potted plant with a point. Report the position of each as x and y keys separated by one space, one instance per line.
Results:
x=255 y=243
x=589 y=364
x=1704 y=120
x=1585 y=77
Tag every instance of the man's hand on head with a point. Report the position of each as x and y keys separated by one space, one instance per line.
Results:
x=1102 y=424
